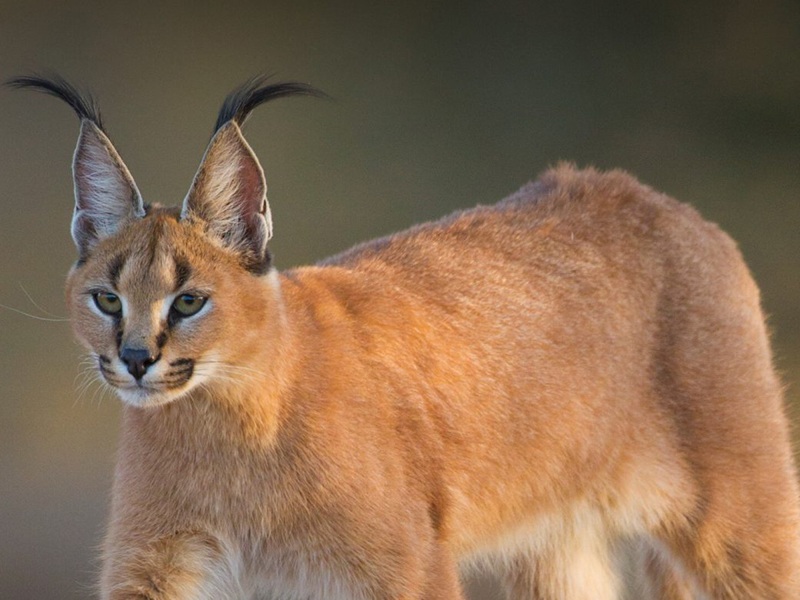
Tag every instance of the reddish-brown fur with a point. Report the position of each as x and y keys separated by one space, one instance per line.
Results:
x=573 y=386
x=536 y=384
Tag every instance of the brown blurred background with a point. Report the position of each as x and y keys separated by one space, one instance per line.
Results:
x=438 y=105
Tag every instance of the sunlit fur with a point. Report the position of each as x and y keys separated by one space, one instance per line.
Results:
x=541 y=385
x=572 y=387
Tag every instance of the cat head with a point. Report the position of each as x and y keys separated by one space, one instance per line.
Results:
x=168 y=299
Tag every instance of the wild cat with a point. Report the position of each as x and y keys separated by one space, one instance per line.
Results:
x=577 y=374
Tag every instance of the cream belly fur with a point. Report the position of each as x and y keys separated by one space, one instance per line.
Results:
x=572 y=387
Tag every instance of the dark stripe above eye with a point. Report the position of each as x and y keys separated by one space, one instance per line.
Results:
x=115 y=269
x=182 y=273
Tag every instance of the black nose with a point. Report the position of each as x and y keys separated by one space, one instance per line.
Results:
x=137 y=360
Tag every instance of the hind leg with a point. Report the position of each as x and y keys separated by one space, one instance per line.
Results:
x=732 y=562
x=741 y=538
x=582 y=569
x=741 y=535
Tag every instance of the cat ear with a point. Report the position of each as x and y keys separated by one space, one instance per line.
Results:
x=229 y=197
x=105 y=193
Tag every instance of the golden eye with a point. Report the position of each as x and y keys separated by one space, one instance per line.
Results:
x=108 y=303
x=187 y=305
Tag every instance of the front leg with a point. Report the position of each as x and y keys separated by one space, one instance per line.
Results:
x=178 y=566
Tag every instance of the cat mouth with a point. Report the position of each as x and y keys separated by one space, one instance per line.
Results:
x=156 y=389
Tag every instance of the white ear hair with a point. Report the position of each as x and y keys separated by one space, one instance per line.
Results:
x=229 y=196
x=105 y=193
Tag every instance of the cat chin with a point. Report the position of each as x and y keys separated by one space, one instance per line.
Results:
x=148 y=398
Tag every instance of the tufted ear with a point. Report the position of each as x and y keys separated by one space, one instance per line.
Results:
x=229 y=198
x=105 y=193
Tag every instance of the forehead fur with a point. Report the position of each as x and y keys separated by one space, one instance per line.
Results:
x=155 y=253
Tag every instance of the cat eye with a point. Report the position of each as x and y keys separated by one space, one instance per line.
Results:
x=187 y=305
x=108 y=303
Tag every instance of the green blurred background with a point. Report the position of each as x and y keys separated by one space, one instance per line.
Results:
x=437 y=105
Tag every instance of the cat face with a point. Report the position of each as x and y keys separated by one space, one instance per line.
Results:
x=163 y=308
x=168 y=300
x=158 y=294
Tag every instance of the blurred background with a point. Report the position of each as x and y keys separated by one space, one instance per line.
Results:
x=438 y=105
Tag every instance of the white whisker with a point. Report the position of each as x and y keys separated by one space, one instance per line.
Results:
x=90 y=379
x=47 y=312
x=22 y=312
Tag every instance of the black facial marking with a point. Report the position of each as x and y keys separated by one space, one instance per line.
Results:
x=182 y=371
x=118 y=337
x=114 y=270
x=182 y=273
x=108 y=373
x=161 y=339
x=172 y=318
x=179 y=362
x=104 y=359
x=152 y=245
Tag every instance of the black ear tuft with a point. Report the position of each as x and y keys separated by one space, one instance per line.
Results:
x=240 y=102
x=83 y=104
x=106 y=196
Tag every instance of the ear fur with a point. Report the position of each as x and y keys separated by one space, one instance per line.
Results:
x=229 y=197
x=105 y=193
